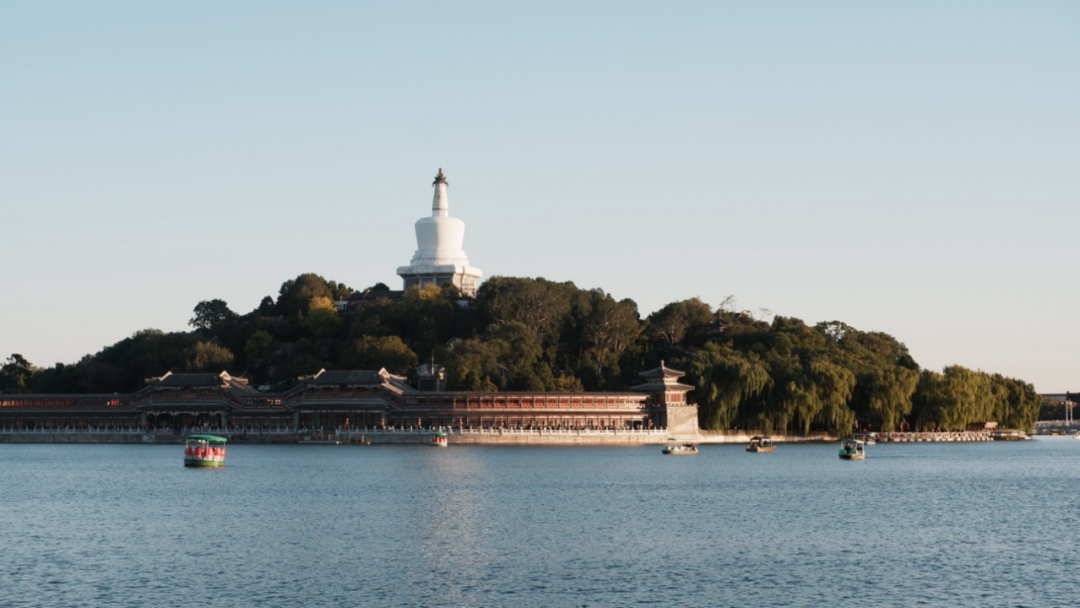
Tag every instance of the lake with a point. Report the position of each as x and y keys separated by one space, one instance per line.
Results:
x=975 y=524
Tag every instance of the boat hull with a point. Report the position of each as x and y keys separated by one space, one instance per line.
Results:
x=753 y=448
x=199 y=462
x=852 y=456
x=680 y=451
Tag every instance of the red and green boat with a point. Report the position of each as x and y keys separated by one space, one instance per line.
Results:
x=204 y=451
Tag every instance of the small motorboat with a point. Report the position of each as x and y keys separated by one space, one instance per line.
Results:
x=761 y=444
x=204 y=451
x=439 y=440
x=852 y=450
x=680 y=449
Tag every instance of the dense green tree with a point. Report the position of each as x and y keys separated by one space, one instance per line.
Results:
x=296 y=294
x=610 y=328
x=211 y=315
x=674 y=324
x=322 y=318
x=267 y=307
x=725 y=378
x=473 y=365
x=376 y=352
x=208 y=357
x=538 y=304
x=260 y=345
x=15 y=374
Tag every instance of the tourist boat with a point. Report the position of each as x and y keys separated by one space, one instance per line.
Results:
x=1008 y=435
x=439 y=440
x=852 y=450
x=204 y=451
x=761 y=444
x=680 y=449
x=866 y=438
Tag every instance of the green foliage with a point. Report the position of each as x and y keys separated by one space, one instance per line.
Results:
x=725 y=378
x=260 y=345
x=15 y=375
x=207 y=356
x=295 y=295
x=375 y=352
x=211 y=315
x=322 y=322
x=609 y=329
x=524 y=334
x=679 y=324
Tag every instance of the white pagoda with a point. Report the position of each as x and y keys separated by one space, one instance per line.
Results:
x=439 y=258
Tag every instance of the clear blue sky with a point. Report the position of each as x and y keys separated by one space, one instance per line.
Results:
x=906 y=167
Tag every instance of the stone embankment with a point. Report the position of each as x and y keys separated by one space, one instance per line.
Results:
x=74 y=436
x=461 y=436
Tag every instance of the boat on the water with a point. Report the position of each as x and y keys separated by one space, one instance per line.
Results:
x=681 y=449
x=439 y=440
x=204 y=451
x=761 y=443
x=1009 y=435
x=866 y=438
x=852 y=449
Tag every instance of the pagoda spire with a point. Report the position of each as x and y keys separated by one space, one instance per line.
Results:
x=440 y=203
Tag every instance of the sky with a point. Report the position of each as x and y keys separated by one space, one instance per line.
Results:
x=906 y=167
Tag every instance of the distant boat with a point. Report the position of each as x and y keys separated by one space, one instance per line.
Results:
x=866 y=438
x=1009 y=435
x=204 y=451
x=761 y=444
x=852 y=450
x=439 y=440
x=683 y=449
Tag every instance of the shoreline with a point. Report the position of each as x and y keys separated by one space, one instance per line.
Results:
x=405 y=436
x=581 y=437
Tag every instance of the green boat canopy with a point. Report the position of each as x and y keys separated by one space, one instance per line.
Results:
x=214 y=438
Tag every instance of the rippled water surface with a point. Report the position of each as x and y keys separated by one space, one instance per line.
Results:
x=913 y=525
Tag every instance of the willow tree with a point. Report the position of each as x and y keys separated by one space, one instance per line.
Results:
x=725 y=378
x=833 y=385
x=1016 y=404
x=882 y=397
x=952 y=399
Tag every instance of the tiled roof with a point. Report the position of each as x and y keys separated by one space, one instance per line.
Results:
x=344 y=377
x=202 y=381
x=662 y=372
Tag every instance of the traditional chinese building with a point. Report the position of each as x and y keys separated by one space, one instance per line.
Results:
x=439 y=257
x=353 y=399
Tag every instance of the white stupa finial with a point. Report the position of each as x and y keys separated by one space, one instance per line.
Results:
x=440 y=204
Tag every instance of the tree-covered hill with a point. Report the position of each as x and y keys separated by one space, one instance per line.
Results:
x=539 y=335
